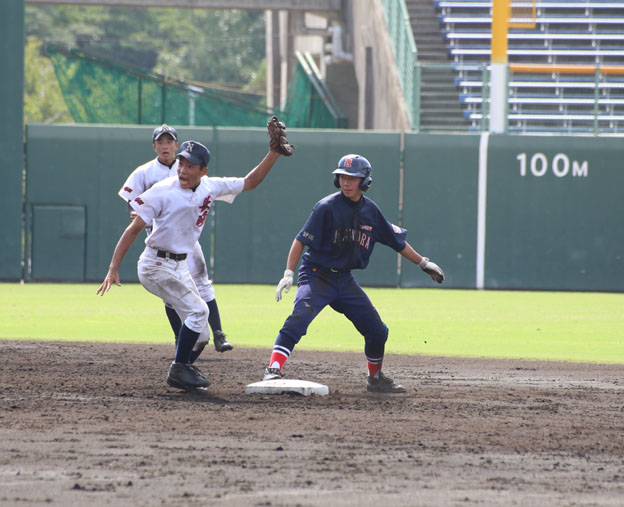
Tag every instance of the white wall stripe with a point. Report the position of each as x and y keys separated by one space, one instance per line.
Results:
x=482 y=209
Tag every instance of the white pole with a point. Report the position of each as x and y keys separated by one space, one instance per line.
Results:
x=482 y=210
x=498 y=97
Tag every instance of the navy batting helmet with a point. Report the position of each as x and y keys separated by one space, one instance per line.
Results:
x=354 y=165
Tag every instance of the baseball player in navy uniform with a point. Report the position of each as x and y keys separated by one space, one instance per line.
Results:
x=165 y=144
x=340 y=234
x=177 y=208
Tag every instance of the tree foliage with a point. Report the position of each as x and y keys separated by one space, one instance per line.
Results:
x=223 y=47
x=43 y=100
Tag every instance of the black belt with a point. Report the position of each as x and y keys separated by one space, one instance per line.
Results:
x=169 y=255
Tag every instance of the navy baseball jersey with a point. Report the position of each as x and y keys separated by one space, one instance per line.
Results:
x=341 y=234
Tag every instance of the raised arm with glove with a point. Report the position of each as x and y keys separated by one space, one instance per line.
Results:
x=277 y=137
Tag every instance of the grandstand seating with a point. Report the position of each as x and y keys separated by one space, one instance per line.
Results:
x=565 y=32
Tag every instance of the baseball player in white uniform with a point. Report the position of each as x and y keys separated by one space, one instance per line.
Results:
x=165 y=144
x=177 y=208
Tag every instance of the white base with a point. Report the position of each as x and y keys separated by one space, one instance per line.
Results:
x=280 y=386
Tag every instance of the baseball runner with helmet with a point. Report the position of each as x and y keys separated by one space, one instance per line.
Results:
x=165 y=144
x=340 y=234
x=177 y=208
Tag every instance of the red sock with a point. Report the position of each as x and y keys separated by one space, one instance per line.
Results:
x=373 y=368
x=277 y=357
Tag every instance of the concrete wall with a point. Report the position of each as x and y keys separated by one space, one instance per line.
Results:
x=389 y=108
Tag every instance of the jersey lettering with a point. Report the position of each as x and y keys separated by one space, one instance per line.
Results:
x=364 y=240
x=127 y=189
x=201 y=219
x=345 y=237
x=139 y=200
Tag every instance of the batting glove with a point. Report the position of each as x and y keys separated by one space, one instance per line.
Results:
x=284 y=283
x=432 y=269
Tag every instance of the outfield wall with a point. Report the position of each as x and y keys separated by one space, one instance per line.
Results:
x=12 y=138
x=495 y=211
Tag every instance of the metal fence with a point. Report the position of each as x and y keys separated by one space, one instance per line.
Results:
x=405 y=53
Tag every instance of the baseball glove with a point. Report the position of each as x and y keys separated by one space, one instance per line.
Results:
x=277 y=137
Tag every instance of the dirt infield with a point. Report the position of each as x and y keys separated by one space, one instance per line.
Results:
x=95 y=424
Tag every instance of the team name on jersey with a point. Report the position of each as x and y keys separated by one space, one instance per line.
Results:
x=353 y=236
x=201 y=219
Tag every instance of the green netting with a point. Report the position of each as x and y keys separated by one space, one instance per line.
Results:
x=309 y=103
x=98 y=91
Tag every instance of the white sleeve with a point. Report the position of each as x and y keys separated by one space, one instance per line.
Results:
x=134 y=185
x=148 y=205
x=228 y=188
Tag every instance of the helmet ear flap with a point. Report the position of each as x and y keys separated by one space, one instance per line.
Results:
x=366 y=183
x=336 y=180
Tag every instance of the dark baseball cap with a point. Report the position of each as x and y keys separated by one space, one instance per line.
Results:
x=195 y=153
x=164 y=129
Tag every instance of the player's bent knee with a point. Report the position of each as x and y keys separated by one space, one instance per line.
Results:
x=197 y=320
x=206 y=291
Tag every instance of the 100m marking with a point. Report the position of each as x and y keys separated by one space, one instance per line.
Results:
x=560 y=165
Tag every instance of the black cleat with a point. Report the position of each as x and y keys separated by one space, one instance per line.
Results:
x=383 y=384
x=221 y=343
x=272 y=374
x=186 y=376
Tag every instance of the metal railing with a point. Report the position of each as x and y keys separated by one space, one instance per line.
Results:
x=405 y=53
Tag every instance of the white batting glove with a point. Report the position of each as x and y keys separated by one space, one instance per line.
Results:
x=432 y=269
x=284 y=283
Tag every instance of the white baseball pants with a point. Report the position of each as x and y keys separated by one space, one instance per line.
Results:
x=171 y=281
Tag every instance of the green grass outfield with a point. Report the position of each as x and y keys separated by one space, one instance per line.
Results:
x=567 y=326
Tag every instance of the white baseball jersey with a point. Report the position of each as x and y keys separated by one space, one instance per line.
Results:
x=178 y=215
x=145 y=177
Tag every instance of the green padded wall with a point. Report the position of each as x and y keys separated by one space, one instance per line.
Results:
x=58 y=248
x=440 y=206
x=554 y=216
x=254 y=234
x=12 y=138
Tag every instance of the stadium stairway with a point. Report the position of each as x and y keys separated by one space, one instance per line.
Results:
x=439 y=94
x=566 y=33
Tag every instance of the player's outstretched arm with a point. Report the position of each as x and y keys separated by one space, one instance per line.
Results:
x=431 y=268
x=123 y=245
x=296 y=249
x=258 y=173
x=278 y=145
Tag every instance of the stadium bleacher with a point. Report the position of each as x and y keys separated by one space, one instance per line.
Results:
x=564 y=33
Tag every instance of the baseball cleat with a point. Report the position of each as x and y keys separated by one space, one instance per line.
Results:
x=383 y=384
x=186 y=376
x=221 y=343
x=272 y=374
